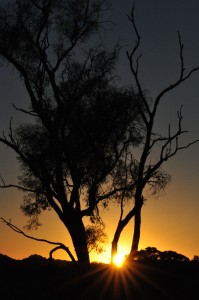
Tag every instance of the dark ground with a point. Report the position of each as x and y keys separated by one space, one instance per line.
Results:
x=34 y=278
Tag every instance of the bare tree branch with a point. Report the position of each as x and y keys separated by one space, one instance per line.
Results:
x=31 y=113
x=59 y=245
x=5 y=186
x=181 y=78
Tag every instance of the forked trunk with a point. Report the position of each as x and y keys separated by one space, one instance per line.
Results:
x=121 y=225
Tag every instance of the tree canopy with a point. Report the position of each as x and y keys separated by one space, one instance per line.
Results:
x=81 y=125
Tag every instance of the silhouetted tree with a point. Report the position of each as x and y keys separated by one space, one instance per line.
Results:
x=81 y=125
x=173 y=256
x=148 y=254
x=195 y=259
x=146 y=171
x=153 y=254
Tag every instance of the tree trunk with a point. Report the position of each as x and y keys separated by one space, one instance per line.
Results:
x=115 y=240
x=76 y=229
x=136 y=236
x=137 y=226
x=120 y=226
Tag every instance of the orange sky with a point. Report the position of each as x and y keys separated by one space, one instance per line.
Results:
x=168 y=223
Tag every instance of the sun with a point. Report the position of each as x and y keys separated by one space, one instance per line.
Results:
x=118 y=260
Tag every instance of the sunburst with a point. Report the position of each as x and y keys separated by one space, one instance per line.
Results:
x=118 y=260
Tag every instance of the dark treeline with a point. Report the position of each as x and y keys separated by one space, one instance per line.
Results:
x=151 y=278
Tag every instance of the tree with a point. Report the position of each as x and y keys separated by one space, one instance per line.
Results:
x=146 y=172
x=153 y=254
x=195 y=258
x=81 y=125
x=148 y=254
x=173 y=256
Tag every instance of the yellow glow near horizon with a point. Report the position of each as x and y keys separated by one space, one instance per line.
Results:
x=119 y=260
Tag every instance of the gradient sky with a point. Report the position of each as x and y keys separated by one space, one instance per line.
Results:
x=171 y=221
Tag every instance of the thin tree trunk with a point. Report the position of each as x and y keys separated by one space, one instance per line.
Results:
x=115 y=240
x=120 y=226
x=136 y=235
x=137 y=225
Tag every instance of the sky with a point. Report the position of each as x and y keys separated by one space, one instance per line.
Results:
x=171 y=221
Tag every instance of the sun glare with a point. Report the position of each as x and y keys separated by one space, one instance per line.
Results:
x=119 y=260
